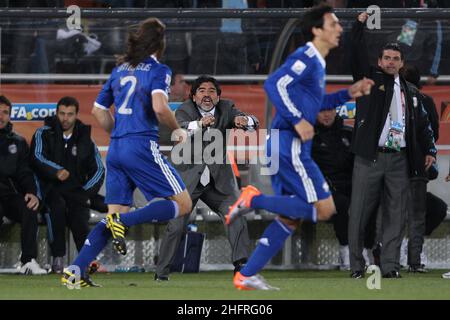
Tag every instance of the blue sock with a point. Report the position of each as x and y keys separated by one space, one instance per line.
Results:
x=154 y=212
x=268 y=246
x=289 y=206
x=94 y=244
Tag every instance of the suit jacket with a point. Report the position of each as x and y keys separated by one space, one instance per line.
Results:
x=221 y=171
x=372 y=110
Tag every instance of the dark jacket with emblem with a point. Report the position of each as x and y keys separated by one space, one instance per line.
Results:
x=331 y=152
x=16 y=175
x=80 y=156
x=372 y=110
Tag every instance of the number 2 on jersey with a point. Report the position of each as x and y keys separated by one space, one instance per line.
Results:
x=123 y=109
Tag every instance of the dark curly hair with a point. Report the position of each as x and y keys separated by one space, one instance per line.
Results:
x=202 y=79
x=148 y=39
x=4 y=100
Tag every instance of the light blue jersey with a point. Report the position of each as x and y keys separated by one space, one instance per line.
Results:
x=133 y=158
x=130 y=90
x=297 y=89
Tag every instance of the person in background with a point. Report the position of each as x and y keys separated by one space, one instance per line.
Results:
x=331 y=152
x=70 y=169
x=390 y=129
x=19 y=190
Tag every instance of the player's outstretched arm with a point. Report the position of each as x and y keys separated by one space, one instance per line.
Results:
x=165 y=116
x=361 y=88
x=305 y=130
x=104 y=118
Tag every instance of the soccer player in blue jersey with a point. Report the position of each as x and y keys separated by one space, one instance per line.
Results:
x=138 y=87
x=297 y=90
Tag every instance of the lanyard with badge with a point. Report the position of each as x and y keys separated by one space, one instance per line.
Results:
x=397 y=130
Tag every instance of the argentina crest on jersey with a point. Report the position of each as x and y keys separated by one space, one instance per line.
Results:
x=12 y=148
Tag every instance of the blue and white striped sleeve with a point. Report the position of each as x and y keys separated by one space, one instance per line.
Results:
x=39 y=152
x=277 y=88
x=97 y=173
x=335 y=99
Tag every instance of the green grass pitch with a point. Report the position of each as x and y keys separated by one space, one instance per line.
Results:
x=294 y=285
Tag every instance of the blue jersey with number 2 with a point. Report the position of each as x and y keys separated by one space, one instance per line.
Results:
x=130 y=89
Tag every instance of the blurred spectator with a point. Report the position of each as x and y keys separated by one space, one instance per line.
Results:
x=70 y=168
x=331 y=152
x=203 y=41
x=238 y=48
x=18 y=189
x=225 y=46
x=178 y=40
x=24 y=36
x=426 y=211
x=32 y=3
x=178 y=88
x=412 y=75
x=421 y=42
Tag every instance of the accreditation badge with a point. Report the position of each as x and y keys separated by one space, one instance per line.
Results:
x=395 y=136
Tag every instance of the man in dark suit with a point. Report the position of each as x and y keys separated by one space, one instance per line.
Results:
x=390 y=129
x=207 y=175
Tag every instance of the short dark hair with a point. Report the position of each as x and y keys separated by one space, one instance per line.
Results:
x=411 y=74
x=174 y=75
x=68 y=101
x=5 y=100
x=313 y=18
x=391 y=46
x=202 y=79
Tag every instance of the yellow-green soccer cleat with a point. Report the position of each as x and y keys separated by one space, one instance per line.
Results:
x=69 y=280
x=118 y=230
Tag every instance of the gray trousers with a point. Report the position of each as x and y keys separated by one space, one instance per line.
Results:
x=416 y=221
x=388 y=178
x=237 y=232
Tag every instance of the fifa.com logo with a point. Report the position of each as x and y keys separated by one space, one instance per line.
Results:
x=247 y=147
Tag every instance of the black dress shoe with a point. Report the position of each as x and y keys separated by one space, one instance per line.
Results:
x=376 y=255
x=161 y=278
x=392 y=274
x=357 y=275
x=417 y=269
